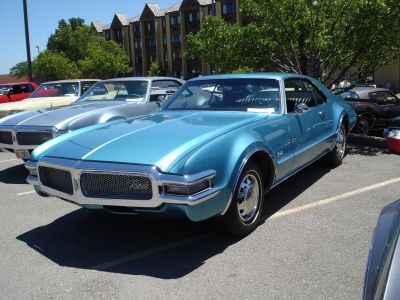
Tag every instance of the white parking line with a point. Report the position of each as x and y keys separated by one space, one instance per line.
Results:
x=334 y=198
x=25 y=193
x=7 y=160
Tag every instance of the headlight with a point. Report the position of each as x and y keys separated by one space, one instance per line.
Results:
x=187 y=189
x=14 y=111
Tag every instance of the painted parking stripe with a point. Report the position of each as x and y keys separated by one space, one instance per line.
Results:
x=26 y=193
x=334 y=198
x=7 y=160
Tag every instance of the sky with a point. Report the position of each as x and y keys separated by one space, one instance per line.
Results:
x=43 y=20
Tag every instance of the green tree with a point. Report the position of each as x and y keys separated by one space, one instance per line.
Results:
x=320 y=38
x=73 y=50
x=20 y=69
x=55 y=66
x=104 y=59
x=155 y=68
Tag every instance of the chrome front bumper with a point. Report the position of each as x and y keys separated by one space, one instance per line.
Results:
x=158 y=179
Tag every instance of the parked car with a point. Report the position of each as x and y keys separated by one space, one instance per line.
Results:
x=49 y=94
x=382 y=274
x=375 y=107
x=104 y=101
x=213 y=149
x=393 y=124
x=11 y=92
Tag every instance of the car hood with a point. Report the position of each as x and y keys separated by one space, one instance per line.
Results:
x=160 y=139
x=29 y=101
x=58 y=117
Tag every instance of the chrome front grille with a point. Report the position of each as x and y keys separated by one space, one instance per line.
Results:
x=33 y=138
x=6 y=137
x=57 y=179
x=116 y=186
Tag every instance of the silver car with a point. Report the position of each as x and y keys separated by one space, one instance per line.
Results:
x=105 y=101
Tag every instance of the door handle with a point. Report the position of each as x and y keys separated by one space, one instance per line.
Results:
x=322 y=114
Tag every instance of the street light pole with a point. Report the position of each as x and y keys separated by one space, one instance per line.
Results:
x=28 y=47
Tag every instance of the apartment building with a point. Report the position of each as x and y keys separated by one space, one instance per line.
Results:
x=160 y=34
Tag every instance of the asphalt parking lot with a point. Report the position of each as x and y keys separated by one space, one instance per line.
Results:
x=312 y=245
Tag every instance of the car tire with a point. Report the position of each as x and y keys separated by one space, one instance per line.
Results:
x=335 y=157
x=362 y=127
x=245 y=208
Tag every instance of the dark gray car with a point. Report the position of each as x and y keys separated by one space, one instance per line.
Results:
x=382 y=275
x=105 y=101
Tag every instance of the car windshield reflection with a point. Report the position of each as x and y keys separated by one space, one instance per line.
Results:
x=252 y=95
x=116 y=91
x=64 y=89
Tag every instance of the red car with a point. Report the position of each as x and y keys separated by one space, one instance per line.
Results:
x=11 y=92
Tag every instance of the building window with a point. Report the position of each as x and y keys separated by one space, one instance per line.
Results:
x=194 y=17
x=164 y=40
x=151 y=42
x=211 y=11
x=107 y=35
x=163 y=23
x=138 y=60
x=138 y=44
x=228 y=8
x=175 y=20
x=150 y=26
x=136 y=28
x=176 y=39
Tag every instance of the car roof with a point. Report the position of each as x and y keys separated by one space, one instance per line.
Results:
x=267 y=75
x=367 y=89
x=143 y=78
x=71 y=80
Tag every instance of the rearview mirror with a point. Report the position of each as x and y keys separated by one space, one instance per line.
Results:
x=300 y=108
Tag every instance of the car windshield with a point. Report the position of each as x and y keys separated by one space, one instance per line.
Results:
x=252 y=95
x=117 y=91
x=57 y=89
x=4 y=89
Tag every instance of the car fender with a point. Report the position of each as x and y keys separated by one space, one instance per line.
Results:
x=227 y=155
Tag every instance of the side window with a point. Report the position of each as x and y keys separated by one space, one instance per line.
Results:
x=16 y=89
x=30 y=88
x=166 y=84
x=85 y=85
x=156 y=97
x=25 y=88
x=319 y=96
x=299 y=91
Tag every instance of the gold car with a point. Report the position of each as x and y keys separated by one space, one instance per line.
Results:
x=49 y=94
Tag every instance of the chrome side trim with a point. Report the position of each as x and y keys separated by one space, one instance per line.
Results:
x=244 y=162
x=158 y=179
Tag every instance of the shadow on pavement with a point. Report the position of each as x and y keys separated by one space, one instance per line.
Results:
x=14 y=175
x=365 y=150
x=128 y=245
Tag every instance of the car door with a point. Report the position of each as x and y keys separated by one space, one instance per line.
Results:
x=308 y=126
x=17 y=93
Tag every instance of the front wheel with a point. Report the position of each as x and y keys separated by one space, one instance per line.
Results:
x=335 y=157
x=244 y=211
x=362 y=127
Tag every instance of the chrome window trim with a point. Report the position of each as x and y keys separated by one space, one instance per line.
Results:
x=78 y=167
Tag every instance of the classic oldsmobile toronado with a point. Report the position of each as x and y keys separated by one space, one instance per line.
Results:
x=213 y=149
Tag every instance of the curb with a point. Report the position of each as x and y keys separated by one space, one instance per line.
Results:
x=371 y=141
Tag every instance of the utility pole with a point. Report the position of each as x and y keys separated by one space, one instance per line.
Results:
x=28 y=47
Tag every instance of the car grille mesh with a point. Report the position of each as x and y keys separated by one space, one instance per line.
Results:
x=118 y=186
x=56 y=179
x=6 y=137
x=33 y=138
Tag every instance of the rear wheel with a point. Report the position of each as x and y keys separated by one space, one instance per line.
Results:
x=335 y=157
x=244 y=211
x=362 y=127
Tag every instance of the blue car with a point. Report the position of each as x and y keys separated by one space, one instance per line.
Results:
x=212 y=150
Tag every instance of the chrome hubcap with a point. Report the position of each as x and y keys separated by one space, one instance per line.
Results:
x=249 y=198
x=341 y=143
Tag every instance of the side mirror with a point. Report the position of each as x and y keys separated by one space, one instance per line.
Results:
x=300 y=108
